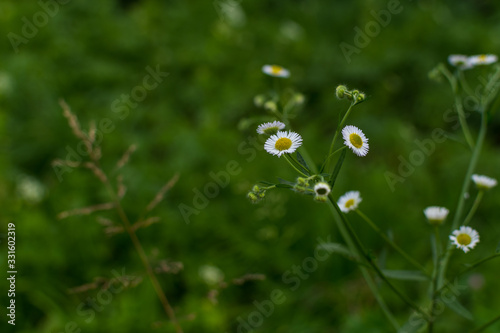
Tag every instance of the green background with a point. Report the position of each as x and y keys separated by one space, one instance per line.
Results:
x=90 y=53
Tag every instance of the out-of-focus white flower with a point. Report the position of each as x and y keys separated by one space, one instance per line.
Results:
x=484 y=182
x=436 y=215
x=276 y=71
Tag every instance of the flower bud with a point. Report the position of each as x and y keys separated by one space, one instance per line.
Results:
x=320 y=198
x=361 y=97
x=270 y=105
x=302 y=181
x=341 y=91
x=299 y=98
x=299 y=188
x=253 y=198
x=259 y=100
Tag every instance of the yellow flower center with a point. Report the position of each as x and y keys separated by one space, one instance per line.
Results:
x=349 y=203
x=283 y=144
x=463 y=239
x=276 y=69
x=356 y=140
x=482 y=57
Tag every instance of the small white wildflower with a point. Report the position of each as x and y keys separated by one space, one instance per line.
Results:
x=283 y=143
x=276 y=71
x=436 y=215
x=349 y=201
x=270 y=128
x=460 y=61
x=482 y=59
x=355 y=139
x=322 y=190
x=484 y=182
x=465 y=238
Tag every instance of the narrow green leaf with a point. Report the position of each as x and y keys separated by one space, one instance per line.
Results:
x=263 y=182
x=299 y=166
x=335 y=173
x=283 y=186
x=415 y=324
x=404 y=275
x=458 y=308
x=284 y=181
x=339 y=249
x=302 y=162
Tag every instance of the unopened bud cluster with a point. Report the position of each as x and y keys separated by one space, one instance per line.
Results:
x=355 y=96
x=256 y=194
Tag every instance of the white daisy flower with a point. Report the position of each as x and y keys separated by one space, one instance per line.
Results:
x=276 y=71
x=459 y=60
x=355 y=139
x=283 y=142
x=465 y=238
x=270 y=128
x=482 y=59
x=484 y=182
x=349 y=201
x=436 y=215
x=322 y=189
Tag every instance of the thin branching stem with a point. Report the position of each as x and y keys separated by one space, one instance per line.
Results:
x=144 y=259
x=474 y=207
x=391 y=243
x=461 y=199
x=373 y=265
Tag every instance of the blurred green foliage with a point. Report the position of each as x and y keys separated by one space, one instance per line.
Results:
x=90 y=53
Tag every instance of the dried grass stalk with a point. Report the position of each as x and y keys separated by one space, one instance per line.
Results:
x=85 y=210
x=126 y=156
x=122 y=189
x=172 y=267
x=104 y=221
x=97 y=171
x=71 y=164
x=73 y=122
x=161 y=194
x=146 y=223
x=249 y=277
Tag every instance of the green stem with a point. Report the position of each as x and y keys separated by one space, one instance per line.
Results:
x=461 y=199
x=364 y=271
x=337 y=131
x=463 y=121
x=434 y=284
x=287 y=158
x=474 y=207
x=437 y=236
x=486 y=325
x=374 y=266
x=464 y=84
x=480 y=262
x=391 y=243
